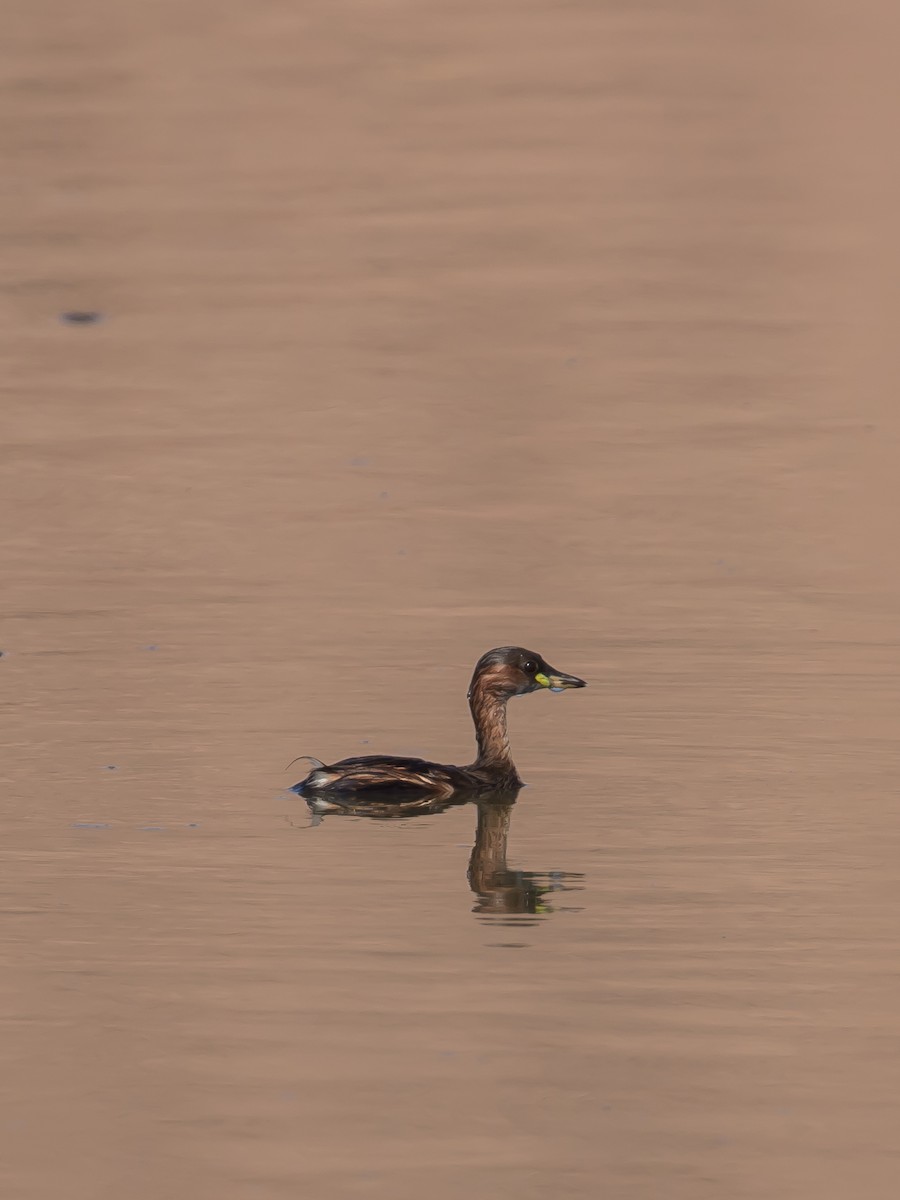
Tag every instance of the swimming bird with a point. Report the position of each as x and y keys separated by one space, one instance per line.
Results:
x=409 y=783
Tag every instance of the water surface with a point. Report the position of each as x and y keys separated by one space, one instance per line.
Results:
x=427 y=330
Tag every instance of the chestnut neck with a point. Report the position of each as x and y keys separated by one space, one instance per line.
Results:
x=488 y=707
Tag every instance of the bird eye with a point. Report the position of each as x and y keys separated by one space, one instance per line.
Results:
x=529 y=665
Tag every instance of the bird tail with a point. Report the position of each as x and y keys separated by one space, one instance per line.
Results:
x=309 y=758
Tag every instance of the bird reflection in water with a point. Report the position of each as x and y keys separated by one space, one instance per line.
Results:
x=500 y=890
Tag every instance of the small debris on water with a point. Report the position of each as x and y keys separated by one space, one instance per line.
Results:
x=80 y=316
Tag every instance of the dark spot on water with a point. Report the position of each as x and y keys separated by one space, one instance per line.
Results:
x=382 y=495
x=2 y=654
x=149 y=647
x=90 y=825
x=81 y=316
x=192 y=825
x=111 y=767
x=153 y=828
x=402 y=553
x=364 y=741
x=360 y=462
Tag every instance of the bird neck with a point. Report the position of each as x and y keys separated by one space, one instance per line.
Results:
x=491 y=732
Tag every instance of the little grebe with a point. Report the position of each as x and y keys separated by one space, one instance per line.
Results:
x=386 y=779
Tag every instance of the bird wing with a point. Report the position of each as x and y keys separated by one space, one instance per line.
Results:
x=391 y=772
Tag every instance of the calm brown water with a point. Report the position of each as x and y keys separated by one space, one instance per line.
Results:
x=430 y=328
